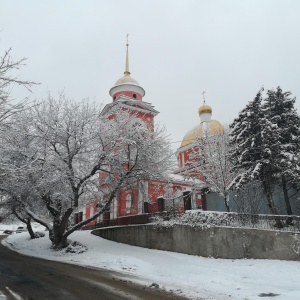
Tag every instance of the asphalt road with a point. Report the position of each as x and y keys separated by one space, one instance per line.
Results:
x=28 y=278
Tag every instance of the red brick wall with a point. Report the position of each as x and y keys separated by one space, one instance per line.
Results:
x=129 y=94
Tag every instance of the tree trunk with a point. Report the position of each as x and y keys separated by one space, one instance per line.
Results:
x=26 y=221
x=59 y=227
x=29 y=228
x=226 y=203
x=56 y=238
x=60 y=234
x=289 y=220
x=203 y=196
x=270 y=202
x=274 y=211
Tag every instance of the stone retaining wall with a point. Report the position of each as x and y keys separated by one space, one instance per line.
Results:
x=217 y=242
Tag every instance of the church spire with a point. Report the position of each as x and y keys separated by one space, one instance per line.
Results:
x=126 y=85
x=127 y=73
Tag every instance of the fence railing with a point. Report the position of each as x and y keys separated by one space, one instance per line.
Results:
x=264 y=222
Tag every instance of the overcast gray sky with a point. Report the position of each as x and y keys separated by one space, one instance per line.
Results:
x=177 y=50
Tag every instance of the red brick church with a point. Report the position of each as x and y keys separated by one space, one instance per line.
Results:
x=147 y=195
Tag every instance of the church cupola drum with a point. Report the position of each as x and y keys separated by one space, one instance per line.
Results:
x=126 y=85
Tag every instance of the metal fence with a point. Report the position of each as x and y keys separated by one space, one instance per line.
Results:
x=264 y=222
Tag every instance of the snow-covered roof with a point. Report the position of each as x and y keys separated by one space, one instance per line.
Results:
x=127 y=101
x=180 y=178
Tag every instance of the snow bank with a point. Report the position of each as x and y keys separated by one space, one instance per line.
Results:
x=35 y=227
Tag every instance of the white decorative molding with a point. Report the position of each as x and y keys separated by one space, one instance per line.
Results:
x=127 y=88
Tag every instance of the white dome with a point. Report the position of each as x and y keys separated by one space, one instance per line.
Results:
x=126 y=79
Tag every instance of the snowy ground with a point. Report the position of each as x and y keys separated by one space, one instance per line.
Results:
x=195 y=277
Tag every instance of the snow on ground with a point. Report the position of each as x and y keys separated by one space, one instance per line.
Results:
x=8 y=227
x=196 y=277
x=35 y=227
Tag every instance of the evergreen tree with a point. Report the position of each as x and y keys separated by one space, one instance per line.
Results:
x=269 y=152
x=252 y=149
x=284 y=123
x=245 y=137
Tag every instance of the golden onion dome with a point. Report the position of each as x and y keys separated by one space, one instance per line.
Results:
x=198 y=132
x=204 y=109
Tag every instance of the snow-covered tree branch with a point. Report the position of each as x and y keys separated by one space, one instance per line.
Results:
x=9 y=78
x=70 y=147
x=210 y=159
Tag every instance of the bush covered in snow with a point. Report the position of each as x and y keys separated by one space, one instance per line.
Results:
x=39 y=234
x=76 y=247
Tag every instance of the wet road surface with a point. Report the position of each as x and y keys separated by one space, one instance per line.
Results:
x=28 y=278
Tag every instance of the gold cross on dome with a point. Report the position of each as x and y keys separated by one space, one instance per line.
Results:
x=203 y=94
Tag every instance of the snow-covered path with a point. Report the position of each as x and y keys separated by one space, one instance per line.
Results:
x=195 y=277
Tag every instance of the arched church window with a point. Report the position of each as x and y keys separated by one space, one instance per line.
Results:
x=128 y=203
x=134 y=96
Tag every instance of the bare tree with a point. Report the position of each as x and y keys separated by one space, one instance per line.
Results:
x=8 y=106
x=19 y=176
x=9 y=78
x=71 y=146
x=210 y=159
